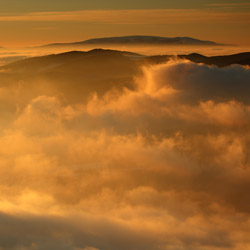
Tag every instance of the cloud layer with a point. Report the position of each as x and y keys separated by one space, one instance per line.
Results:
x=162 y=166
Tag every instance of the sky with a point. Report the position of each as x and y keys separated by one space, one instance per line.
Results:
x=27 y=23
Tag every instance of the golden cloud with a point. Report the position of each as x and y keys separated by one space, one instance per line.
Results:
x=163 y=165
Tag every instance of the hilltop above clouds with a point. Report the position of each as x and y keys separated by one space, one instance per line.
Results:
x=137 y=40
x=76 y=59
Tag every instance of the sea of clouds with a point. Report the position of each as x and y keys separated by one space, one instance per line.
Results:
x=165 y=165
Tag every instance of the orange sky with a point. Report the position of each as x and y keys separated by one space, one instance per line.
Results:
x=221 y=23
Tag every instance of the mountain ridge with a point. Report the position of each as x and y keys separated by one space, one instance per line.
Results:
x=137 y=40
x=77 y=56
x=74 y=75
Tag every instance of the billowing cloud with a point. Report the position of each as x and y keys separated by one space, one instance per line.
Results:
x=163 y=165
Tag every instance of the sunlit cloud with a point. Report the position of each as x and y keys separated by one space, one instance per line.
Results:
x=163 y=164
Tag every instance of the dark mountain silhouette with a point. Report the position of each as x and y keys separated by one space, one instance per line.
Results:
x=137 y=40
x=220 y=61
x=74 y=75
x=72 y=60
x=75 y=60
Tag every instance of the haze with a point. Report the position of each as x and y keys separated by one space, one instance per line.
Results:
x=124 y=146
x=29 y=23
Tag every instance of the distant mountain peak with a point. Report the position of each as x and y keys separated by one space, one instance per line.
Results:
x=138 y=40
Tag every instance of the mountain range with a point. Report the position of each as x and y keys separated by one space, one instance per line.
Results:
x=74 y=60
x=220 y=61
x=74 y=76
x=137 y=40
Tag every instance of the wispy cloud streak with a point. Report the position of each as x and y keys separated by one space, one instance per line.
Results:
x=155 y=16
x=229 y=4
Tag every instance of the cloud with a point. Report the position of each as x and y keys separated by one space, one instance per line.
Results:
x=45 y=28
x=229 y=4
x=163 y=165
x=201 y=94
x=154 y=16
x=90 y=248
